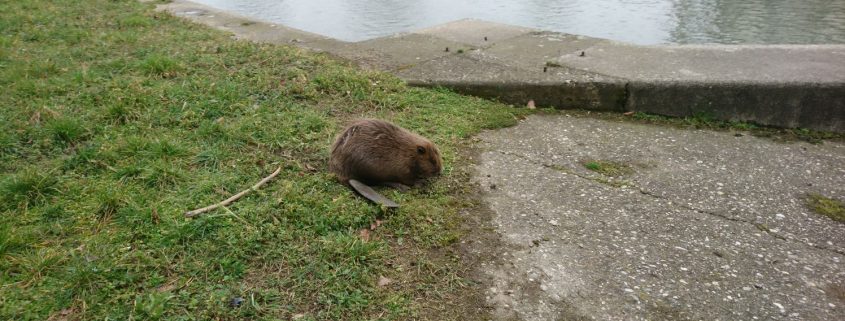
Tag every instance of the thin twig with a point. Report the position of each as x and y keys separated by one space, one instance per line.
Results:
x=235 y=197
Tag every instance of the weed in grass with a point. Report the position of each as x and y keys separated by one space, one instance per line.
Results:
x=7 y=241
x=132 y=146
x=54 y=212
x=160 y=65
x=212 y=131
x=152 y=305
x=134 y=21
x=86 y=157
x=8 y=141
x=608 y=168
x=108 y=201
x=34 y=265
x=128 y=172
x=165 y=149
x=66 y=130
x=832 y=208
x=163 y=174
x=29 y=187
x=42 y=69
x=210 y=158
x=120 y=114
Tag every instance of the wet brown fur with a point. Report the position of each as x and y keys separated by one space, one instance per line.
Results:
x=377 y=152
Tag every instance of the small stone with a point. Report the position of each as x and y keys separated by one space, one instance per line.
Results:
x=554 y=222
x=236 y=302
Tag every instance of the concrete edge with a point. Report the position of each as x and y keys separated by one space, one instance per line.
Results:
x=788 y=105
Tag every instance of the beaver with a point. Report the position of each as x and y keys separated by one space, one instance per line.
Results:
x=376 y=152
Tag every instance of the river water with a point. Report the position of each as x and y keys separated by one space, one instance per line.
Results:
x=636 y=21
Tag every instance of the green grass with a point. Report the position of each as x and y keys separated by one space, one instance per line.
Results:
x=832 y=208
x=117 y=119
x=608 y=168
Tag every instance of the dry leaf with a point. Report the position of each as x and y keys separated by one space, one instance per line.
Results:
x=375 y=225
x=36 y=118
x=169 y=286
x=383 y=281
x=365 y=234
x=531 y=104
x=63 y=315
x=629 y=113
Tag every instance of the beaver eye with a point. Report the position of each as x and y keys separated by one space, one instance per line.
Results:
x=420 y=149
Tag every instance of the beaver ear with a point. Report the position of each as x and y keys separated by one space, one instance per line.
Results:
x=420 y=149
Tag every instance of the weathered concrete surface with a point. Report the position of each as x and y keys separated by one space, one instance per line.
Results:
x=709 y=226
x=787 y=86
x=477 y=33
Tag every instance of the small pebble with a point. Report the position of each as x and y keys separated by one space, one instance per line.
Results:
x=236 y=302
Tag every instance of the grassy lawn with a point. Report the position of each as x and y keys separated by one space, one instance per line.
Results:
x=115 y=120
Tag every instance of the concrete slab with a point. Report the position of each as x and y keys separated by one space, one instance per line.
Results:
x=473 y=74
x=400 y=51
x=477 y=33
x=539 y=49
x=715 y=63
x=709 y=226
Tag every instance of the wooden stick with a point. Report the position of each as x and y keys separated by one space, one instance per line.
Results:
x=235 y=197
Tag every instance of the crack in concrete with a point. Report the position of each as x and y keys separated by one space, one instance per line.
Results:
x=642 y=191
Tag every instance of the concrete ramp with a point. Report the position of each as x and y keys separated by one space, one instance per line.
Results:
x=779 y=85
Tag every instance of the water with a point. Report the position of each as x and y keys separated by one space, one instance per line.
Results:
x=636 y=21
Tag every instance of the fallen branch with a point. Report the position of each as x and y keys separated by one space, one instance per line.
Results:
x=235 y=197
